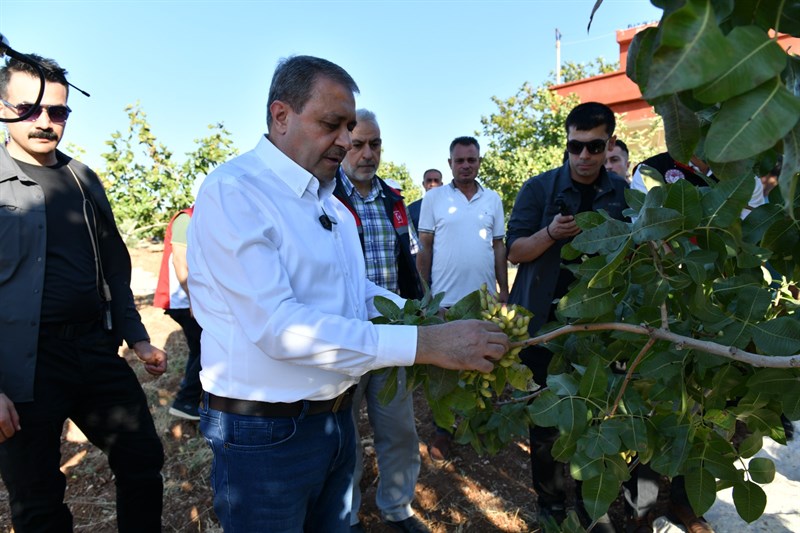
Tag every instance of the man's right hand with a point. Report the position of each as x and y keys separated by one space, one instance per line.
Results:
x=9 y=419
x=461 y=345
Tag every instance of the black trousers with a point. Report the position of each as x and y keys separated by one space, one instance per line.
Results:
x=191 y=391
x=82 y=378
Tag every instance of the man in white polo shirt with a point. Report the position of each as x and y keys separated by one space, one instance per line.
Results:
x=461 y=232
x=461 y=229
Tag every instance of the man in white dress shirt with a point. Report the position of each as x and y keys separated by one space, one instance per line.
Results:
x=279 y=286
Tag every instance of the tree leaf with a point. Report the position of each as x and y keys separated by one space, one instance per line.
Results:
x=753 y=122
x=572 y=415
x=759 y=58
x=599 y=493
x=595 y=380
x=684 y=198
x=692 y=51
x=563 y=384
x=467 y=307
x=544 y=410
x=605 y=238
x=583 y=302
x=750 y=500
x=723 y=203
x=583 y=467
x=387 y=308
x=761 y=469
x=779 y=336
x=701 y=489
x=640 y=56
x=604 y=277
x=655 y=224
x=681 y=127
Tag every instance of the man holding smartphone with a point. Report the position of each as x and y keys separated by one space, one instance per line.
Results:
x=542 y=221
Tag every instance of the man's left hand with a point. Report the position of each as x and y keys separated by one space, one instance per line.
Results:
x=154 y=359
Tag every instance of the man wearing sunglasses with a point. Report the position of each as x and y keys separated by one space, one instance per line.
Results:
x=66 y=307
x=542 y=222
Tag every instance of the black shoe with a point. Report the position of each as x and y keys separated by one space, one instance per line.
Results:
x=412 y=524
x=551 y=516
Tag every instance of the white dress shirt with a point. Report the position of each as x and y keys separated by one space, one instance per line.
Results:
x=284 y=303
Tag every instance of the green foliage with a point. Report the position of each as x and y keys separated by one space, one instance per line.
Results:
x=145 y=185
x=571 y=71
x=485 y=406
x=400 y=174
x=727 y=91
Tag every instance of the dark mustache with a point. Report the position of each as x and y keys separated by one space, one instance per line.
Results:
x=50 y=135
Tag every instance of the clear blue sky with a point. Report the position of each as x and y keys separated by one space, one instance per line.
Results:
x=428 y=69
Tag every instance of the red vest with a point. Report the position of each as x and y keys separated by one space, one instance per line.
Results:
x=163 y=290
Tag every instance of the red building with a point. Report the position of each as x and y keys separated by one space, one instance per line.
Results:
x=618 y=92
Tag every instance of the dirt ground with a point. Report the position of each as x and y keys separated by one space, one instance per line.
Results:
x=469 y=493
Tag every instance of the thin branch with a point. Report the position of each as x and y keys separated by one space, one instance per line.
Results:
x=682 y=342
x=629 y=374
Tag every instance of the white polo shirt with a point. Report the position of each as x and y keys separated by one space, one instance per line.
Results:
x=464 y=230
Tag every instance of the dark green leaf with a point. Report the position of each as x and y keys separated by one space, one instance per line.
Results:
x=467 y=307
x=752 y=122
x=684 y=198
x=758 y=59
x=759 y=220
x=599 y=493
x=723 y=203
x=656 y=224
x=605 y=276
x=761 y=469
x=701 y=489
x=750 y=500
x=572 y=417
x=640 y=55
x=583 y=467
x=583 y=302
x=595 y=380
x=692 y=51
x=544 y=410
x=562 y=384
x=681 y=127
x=606 y=238
x=388 y=308
x=779 y=336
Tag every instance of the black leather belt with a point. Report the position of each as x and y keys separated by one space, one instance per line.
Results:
x=280 y=409
x=68 y=330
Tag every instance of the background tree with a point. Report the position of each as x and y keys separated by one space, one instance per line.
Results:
x=400 y=174
x=145 y=185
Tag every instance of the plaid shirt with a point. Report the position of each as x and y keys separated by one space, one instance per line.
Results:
x=380 y=239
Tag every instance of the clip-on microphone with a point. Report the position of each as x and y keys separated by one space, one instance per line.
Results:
x=326 y=221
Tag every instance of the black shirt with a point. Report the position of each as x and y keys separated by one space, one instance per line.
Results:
x=70 y=292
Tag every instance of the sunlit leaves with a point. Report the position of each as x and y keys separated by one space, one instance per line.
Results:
x=750 y=123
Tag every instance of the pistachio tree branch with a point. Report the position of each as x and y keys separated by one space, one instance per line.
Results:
x=682 y=342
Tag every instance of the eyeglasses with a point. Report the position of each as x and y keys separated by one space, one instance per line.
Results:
x=57 y=113
x=594 y=147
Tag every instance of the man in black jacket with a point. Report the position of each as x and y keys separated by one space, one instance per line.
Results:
x=389 y=246
x=66 y=307
x=542 y=222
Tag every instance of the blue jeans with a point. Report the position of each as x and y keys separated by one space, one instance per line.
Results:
x=281 y=474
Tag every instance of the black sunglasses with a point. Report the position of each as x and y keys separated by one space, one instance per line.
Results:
x=57 y=113
x=594 y=147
